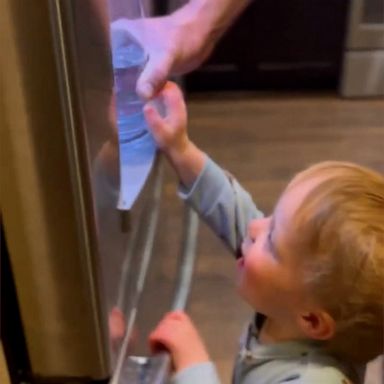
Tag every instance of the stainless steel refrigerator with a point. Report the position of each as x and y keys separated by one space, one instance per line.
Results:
x=83 y=279
x=363 y=67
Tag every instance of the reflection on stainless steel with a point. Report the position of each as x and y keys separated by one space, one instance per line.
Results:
x=144 y=370
x=79 y=269
x=136 y=159
x=155 y=369
x=187 y=260
x=137 y=148
x=145 y=259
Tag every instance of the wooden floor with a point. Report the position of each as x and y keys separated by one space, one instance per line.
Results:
x=264 y=140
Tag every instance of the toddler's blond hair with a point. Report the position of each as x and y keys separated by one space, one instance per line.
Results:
x=340 y=239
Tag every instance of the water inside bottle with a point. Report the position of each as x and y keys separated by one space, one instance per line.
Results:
x=128 y=62
x=137 y=147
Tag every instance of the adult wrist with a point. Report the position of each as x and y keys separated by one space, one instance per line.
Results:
x=194 y=22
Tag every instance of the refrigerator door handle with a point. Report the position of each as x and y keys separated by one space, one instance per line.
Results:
x=120 y=368
x=147 y=370
x=155 y=369
x=187 y=260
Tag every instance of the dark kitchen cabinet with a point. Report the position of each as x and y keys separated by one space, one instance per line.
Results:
x=278 y=44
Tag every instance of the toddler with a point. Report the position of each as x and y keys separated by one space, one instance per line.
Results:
x=313 y=271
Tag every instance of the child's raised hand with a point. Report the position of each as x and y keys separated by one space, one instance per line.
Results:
x=169 y=132
x=179 y=336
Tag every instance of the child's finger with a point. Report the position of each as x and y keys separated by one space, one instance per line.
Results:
x=162 y=337
x=117 y=324
x=174 y=103
x=155 y=343
x=178 y=315
x=153 y=118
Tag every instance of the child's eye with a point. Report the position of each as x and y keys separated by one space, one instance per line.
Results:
x=269 y=240
x=271 y=247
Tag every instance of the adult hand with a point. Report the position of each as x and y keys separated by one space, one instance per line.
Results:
x=178 y=43
x=174 y=44
x=177 y=334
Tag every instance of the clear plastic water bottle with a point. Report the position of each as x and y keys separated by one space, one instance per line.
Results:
x=136 y=145
x=129 y=59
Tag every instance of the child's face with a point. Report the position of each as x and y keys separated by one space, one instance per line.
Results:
x=268 y=271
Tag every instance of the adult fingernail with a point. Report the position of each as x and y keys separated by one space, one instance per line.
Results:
x=146 y=91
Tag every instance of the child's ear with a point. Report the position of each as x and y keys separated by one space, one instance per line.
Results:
x=317 y=325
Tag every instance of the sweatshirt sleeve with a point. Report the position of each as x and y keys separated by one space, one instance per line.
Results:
x=329 y=375
x=199 y=373
x=222 y=203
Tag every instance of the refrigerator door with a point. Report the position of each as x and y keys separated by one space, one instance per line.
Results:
x=47 y=203
x=75 y=257
x=91 y=280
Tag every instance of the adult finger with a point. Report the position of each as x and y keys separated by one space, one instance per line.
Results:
x=153 y=76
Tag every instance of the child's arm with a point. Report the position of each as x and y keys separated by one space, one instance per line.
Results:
x=170 y=134
x=223 y=204
x=190 y=360
x=214 y=194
